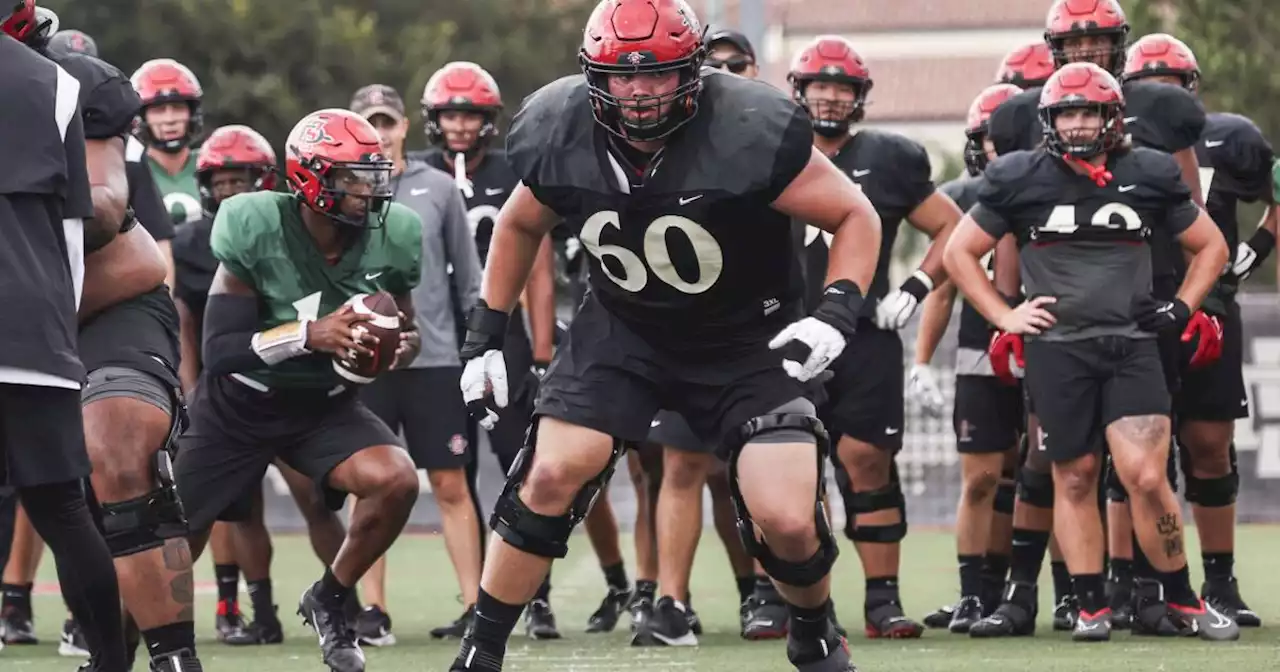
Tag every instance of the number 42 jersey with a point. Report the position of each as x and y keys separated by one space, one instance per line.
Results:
x=1085 y=245
x=260 y=238
x=690 y=255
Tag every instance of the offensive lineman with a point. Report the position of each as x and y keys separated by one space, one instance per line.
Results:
x=1083 y=207
x=271 y=385
x=635 y=155
x=865 y=398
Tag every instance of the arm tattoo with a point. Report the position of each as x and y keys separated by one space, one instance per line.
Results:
x=1144 y=430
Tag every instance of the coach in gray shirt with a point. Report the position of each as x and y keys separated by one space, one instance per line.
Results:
x=424 y=400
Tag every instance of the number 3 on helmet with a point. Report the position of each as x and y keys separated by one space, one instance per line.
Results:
x=334 y=154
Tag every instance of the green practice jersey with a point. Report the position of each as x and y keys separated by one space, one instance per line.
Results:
x=260 y=238
x=181 y=193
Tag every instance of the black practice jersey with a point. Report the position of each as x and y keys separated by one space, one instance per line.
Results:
x=975 y=331
x=895 y=174
x=194 y=266
x=1083 y=244
x=144 y=195
x=1235 y=165
x=108 y=102
x=44 y=188
x=491 y=184
x=689 y=254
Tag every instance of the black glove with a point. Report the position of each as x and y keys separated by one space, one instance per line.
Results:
x=486 y=330
x=1157 y=315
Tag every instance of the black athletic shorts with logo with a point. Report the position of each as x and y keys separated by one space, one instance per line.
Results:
x=865 y=396
x=988 y=416
x=1216 y=392
x=426 y=405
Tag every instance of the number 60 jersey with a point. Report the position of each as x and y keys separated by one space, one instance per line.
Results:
x=690 y=256
x=1083 y=244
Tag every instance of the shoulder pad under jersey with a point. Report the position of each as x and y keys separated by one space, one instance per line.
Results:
x=247 y=229
x=402 y=247
x=1016 y=178
x=550 y=143
x=1159 y=172
x=963 y=190
x=1240 y=154
x=1015 y=124
x=108 y=103
x=1162 y=116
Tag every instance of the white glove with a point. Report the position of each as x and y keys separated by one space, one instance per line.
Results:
x=1246 y=257
x=484 y=386
x=896 y=308
x=824 y=341
x=922 y=386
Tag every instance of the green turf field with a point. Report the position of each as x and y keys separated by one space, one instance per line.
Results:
x=423 y=592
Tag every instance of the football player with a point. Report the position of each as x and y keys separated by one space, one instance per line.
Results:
x=864 y=406
x=1027 y=66
x=278 y=326
x=461 y=104
x=1160 y=116
x=988 y=416
x=168 y=129
x=1083 y=207
x=73 y=41
x=632 y=156
x=1235 y=166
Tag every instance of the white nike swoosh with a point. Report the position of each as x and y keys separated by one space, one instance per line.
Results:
x=1130 y=120
x=655 y=423
x=1088 y=626
x=1127 y=187
x=418 y=192
x=890 y=431
x=1213 y=143
x=371 y=276
x=493 y=192
x=687 y=201
x=860 y=173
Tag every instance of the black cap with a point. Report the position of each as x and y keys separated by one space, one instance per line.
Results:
x=73 y=42
x=378 y=99
x=733 y=37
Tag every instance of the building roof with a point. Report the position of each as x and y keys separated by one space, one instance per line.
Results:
x=855 y=16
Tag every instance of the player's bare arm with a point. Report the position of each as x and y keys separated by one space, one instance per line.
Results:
x=110 y=186
x=966 y=248
x=1190 y=167
x=1008 y=277
x=935 y=314
x=1204 y=241
x=540 y=302
x=189 y=343
x=128 y=266
x=936 y=217
x=410 y=337
x=518 y=232
x=825 y=197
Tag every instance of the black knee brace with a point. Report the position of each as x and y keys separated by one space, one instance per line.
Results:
x=1006 y=492
x=1035 y=488
x=810 y=571
x=1211 y=492
x=887 y=498
x=545 y=536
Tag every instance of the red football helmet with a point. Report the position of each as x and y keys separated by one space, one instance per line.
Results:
x=629 y=37
x=1081 y=18
x=1082 y=86
x=975 y=155
x=463 y=86
x=1160 y=54
x=231 y=148
x=830 y=58
x=20 y=21
x=164 y=80
x=1027 y=66
x=332 y=154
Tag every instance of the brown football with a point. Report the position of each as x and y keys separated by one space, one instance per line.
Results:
x=383 y=321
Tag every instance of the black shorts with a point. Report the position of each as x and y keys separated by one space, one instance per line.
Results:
x=426 y=406
x=1216 y=392
x=669 y=428
x=607 y=378
x=1081 y=387
x=140 y=334
x=41 y=436
x=988 y=415
x=237 y=431
x=864 y=399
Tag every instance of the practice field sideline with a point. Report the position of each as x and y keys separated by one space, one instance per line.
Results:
x=422 y=587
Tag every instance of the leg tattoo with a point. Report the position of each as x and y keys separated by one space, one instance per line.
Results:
x=177 y=558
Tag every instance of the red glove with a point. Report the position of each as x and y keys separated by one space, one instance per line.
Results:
x=1203 y=337
x=1003 y=345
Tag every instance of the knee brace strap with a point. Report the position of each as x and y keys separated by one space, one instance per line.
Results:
x=143 y=523
x=887 y=498
x=1213 y=492
x=1006 y=492
x=1035 y=488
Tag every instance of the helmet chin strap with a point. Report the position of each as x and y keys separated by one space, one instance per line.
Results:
x=1099 y=174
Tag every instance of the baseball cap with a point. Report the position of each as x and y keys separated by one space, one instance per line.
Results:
x=378 y=99
x=733 y=37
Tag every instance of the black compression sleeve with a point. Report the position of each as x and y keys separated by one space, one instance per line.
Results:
x=229 y=325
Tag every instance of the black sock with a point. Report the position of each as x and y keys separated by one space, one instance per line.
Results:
x=746 y=586
x=1029 y=547
x=616 y=577
x=332 y=593
x=264 y=606
x=171 y=638
x=1090 y=589
x=228 y=577
x=1217 y=567
x=806 y=623
x=1177 y=588
x=16 y=596
x=1142 y=567
x=544 y=590
x=1061 y=580
x=494 y=621
x=995 y=568
x=970 y=574
x=881 y=590
x=1122 y=571
x=646 y=588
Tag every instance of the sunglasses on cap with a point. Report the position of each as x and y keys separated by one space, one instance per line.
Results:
x=737 y=64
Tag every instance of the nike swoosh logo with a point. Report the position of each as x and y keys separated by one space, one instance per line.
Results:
x=1127 y=187
x=655 y=423
x=1130 y=120
x=860 y=173
x=1088 y=626
x=371 y=276
x=418 y=192
x=1213 y=143
x=493 y=192
x=890 y=431
x=687 y=201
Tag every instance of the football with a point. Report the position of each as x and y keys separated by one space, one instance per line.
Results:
x=381 y=319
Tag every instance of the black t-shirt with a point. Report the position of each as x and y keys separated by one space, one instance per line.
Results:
x=147 y=201
x=1083 y=244
x=491 y=185
x=690 y=255
x=194 y=266
x=44 y=188
x=895 y=174
x=108 y=101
